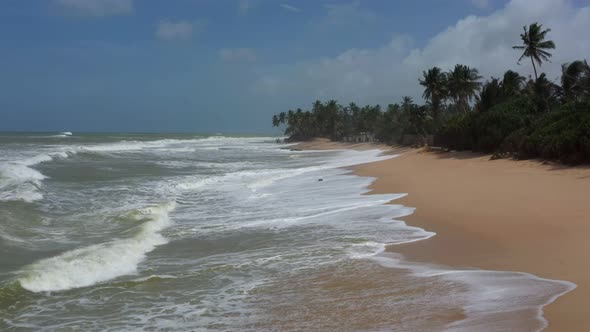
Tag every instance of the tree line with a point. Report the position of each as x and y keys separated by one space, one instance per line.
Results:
x=509 y=115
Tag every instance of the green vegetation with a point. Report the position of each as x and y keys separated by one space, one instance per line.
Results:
x=508 y=116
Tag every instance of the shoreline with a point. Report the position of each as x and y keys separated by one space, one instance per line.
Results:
x=533 y=218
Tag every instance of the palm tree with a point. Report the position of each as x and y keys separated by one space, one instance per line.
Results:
x=535 y=45
x=574 y=80
x=435 y=88
x=586 y=82
x=512 y=83
x=414 y=119
x=491 y=94
x=331 y=124
x=543 y=93
x=463 y=84
x=407 y=103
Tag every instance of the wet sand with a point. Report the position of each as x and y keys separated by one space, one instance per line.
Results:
x=504 y=215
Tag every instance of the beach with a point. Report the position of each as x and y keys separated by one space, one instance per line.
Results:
x=501 y=215
x=194 y=232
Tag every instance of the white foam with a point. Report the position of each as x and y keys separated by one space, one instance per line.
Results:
x=20 y=182
x=260 y=178
x=98 y=263
x=366 y=249
x=494 y=299
x=63 y=134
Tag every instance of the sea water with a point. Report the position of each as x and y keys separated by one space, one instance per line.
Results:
x=186 y=232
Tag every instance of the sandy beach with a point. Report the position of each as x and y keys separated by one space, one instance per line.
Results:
x=506 y=215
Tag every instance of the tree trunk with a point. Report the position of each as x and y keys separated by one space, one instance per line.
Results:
x=534 y=68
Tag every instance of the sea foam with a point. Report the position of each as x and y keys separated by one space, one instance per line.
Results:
x=20 y=181
x=101 y=262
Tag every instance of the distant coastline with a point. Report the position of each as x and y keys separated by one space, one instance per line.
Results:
x=512 y=116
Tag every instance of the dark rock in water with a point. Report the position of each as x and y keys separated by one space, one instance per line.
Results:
x=295 y=149
x=320 y=180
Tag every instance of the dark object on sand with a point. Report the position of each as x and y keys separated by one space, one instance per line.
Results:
x=320 y=180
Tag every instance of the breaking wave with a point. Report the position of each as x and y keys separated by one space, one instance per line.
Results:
x=101 y=262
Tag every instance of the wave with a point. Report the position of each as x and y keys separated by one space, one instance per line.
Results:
x=63 y=134
x=101 y=262
x=260 y=178
x=19 y=181
x=493 y=297
x=251 y=179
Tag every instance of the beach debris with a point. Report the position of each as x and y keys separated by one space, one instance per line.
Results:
x=320 y=180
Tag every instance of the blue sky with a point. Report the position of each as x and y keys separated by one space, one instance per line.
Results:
x=228 y=65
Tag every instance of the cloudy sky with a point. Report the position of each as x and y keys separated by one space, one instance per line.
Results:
x=228 y=65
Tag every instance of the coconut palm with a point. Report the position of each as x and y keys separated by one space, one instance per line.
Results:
x=512 y=83
x=585 y=82
x=491 y=94
x=463 y=84
x=574 y=80
x=282 y=117
x=434 y=82
x=543 y=93
x=535 y=45
x=407 y=103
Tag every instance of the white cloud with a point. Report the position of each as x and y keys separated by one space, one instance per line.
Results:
x=96 y=8
x=168 y=31
x=290 y=8
x=385 y=74
x=238 y=55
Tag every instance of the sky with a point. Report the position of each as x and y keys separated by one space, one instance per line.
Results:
x=226 y=66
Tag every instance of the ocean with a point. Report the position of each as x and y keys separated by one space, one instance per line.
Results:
x=146 y=232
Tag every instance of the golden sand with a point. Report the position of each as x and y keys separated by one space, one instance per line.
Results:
x=504 y=215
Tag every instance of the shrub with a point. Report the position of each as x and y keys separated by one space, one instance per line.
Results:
x=563 y=135
x=485 y=131
x=456 y=132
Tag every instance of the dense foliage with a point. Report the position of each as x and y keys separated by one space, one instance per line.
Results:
x=511 y=115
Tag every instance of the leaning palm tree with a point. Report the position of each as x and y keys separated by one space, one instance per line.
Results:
x=435 y=88
x=574 y=80
x=535 y=45
x=282 y=117
x=463 y=84
x=275 y=121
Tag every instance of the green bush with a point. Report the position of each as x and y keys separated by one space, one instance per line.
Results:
x=456 y=132
x=492 y=127
x=485 y=131
x=563 y=135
